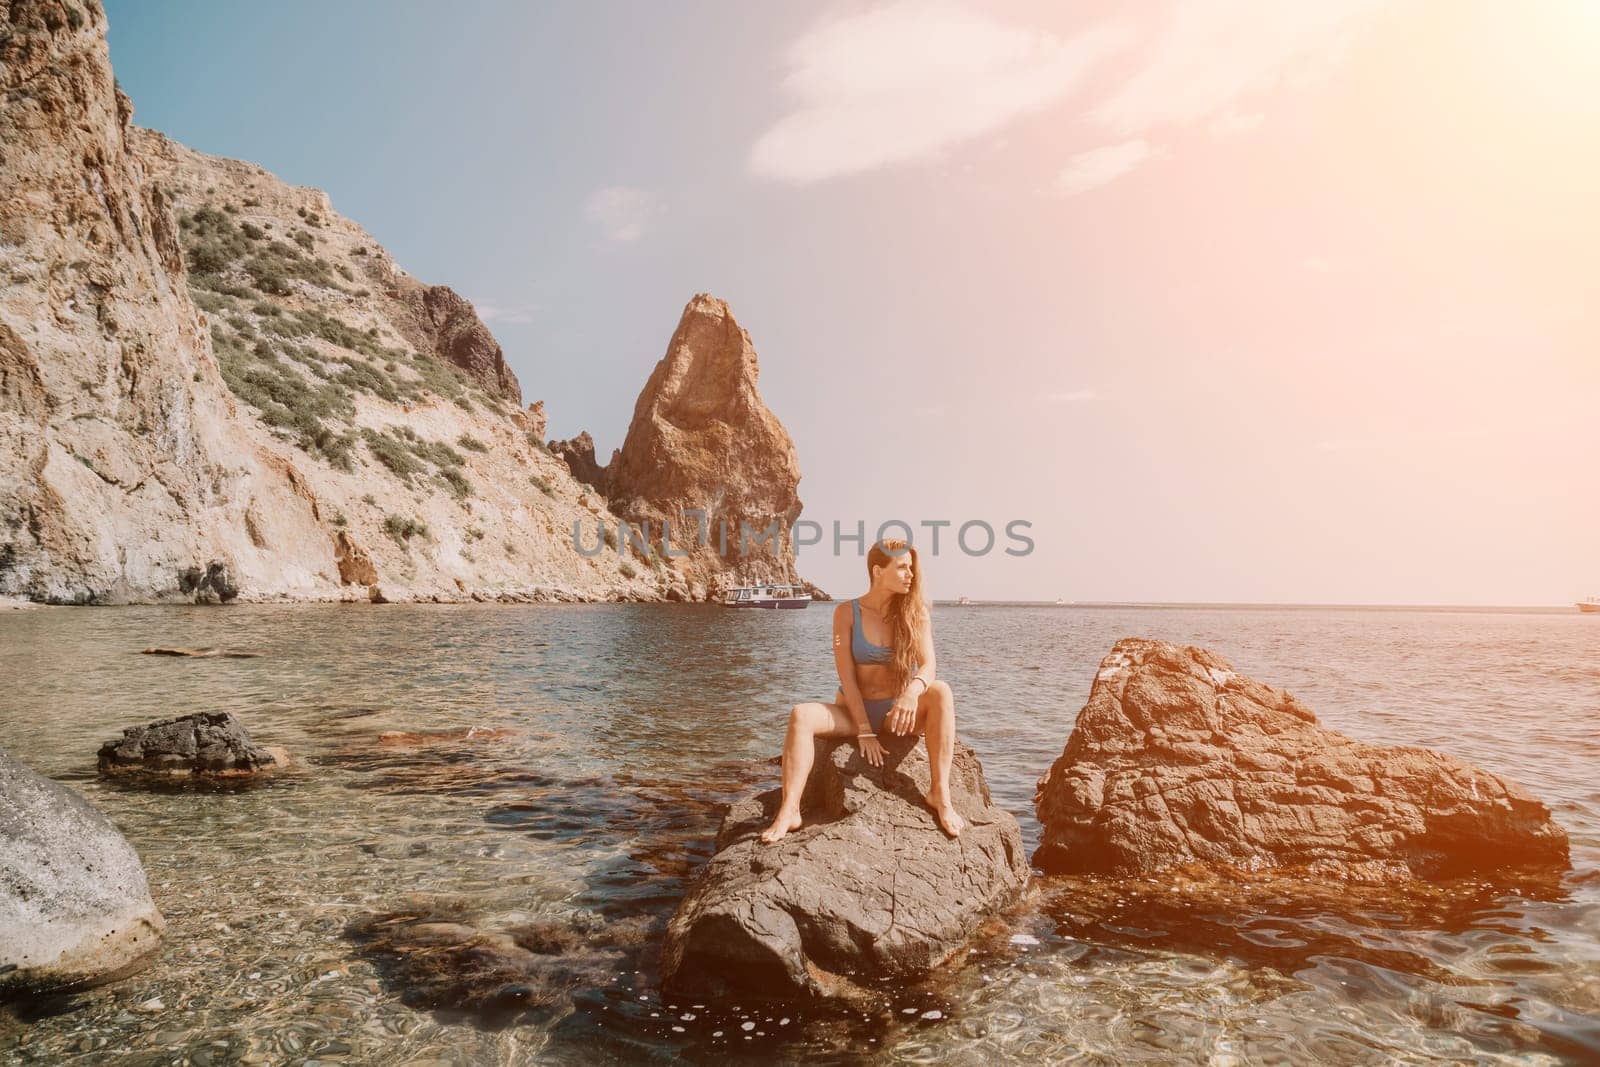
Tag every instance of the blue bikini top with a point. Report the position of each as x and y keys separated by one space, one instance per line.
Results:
x=861 y=649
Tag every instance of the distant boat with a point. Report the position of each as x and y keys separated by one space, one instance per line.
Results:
x=1060 y=601
x=767 y=596
x=964 y=602
x=1590 y=605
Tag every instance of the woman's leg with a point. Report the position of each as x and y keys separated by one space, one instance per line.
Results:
x=936 y=715
x=807 y=722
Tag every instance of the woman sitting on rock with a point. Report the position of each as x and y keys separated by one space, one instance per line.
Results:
x=883 y=649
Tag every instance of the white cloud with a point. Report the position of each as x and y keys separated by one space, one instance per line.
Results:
x=622 y=211
x=1214 y=52
x=1210 y=56
x=519 y=314
x=1094 y=168
x=900 y=82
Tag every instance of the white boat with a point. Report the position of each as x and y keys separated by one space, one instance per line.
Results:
x=1590 y=605
x=767 y=596
x=965 y=601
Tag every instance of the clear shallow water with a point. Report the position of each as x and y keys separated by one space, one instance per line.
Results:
x=615 y=730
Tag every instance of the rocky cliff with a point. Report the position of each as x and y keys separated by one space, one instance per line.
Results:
x=702 y=440
x=123 y=467
x=213 y=386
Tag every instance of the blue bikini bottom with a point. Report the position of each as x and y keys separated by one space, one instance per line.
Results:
x=877 y=710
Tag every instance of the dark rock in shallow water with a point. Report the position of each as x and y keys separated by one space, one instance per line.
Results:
x=438 y=955
x=208 y=652
x=212 y=585
x=869 y=887
x=75 y=908
x=1177 y=759
x=206 y=743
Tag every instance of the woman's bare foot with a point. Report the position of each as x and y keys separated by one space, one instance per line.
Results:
x=950 y=821
x=786 y=821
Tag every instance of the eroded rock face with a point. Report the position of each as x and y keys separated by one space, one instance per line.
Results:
x=870 y=887
x=446 y=324
x=122 y=467
x=75 y=907
x=702 y=438
x=206 y=743
x=578 y=454
x=1178 y=759
x=203 y=365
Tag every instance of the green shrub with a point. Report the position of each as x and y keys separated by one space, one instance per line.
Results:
x=368 y=498
x=459 y=484
x=627 y=570
x=403 y=529
x=471 y=443
x=252 y=231
x=544 y=486
x=392 y=454
x=303 y=239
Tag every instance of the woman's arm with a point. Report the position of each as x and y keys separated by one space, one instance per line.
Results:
x=926 y=665
x=844 y=660
x=903 y=715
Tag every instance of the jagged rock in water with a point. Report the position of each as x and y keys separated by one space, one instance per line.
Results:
x=75 y=907
x=446 y=324
x=578 y=454
x=702 y=438
x=210 y=743
x=1178 y=759
x=869 y=887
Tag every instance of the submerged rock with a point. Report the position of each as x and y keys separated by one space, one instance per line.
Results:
x=1179 y=759
x=440 y=956
x=75 y=908
x=208 y=652
x=205 y=743
x=869 y=887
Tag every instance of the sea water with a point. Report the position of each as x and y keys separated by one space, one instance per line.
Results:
x=569 y=763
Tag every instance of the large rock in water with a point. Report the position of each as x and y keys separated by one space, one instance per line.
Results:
x=74 y=904
x=869 y=887
x=1178 y=759
x=208 y=742
x=702 y=439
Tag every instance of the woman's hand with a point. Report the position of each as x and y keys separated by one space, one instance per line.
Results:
x=902 y=714
x=871 y=749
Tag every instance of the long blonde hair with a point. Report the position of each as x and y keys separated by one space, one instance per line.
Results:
x=906 y=613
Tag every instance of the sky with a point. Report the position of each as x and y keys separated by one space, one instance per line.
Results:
x=1227 y=301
